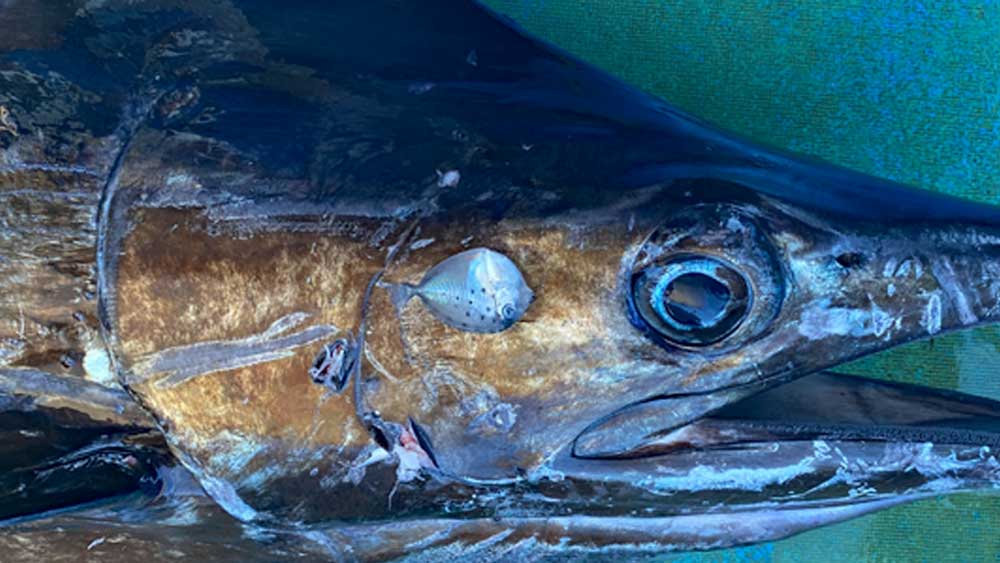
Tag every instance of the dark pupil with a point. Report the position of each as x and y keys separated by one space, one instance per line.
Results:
x=692 y=300
x=696 y=300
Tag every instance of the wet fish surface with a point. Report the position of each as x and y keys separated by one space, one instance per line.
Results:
x=253 y=244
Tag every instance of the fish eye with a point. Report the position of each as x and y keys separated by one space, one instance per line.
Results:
x=691 y=300
x=508 y=311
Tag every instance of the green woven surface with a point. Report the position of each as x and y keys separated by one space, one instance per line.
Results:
x=902 y=89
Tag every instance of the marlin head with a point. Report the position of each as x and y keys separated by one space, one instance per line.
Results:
x=629 y=321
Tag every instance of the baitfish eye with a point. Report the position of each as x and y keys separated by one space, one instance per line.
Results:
x=508 y=311
x=691 y=300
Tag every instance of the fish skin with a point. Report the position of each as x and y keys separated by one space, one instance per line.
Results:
x=604 y=157
x=477 y=290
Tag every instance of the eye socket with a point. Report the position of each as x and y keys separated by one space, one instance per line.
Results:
x=691 y=300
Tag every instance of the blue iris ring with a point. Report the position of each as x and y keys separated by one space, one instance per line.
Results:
x=692 y=300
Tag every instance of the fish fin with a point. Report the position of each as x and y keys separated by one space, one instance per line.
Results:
x=401 y=293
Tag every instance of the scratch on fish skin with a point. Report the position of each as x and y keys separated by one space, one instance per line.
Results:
x=272 y=351
x=174 y=366
x=422 y=243
x=930 y=318
x=939 y=468
x=548 y=538
x=820 y=320
x=945 y=274
x=419 y=88
x=233 y=450
x=178 y=179
x=889 y=268
x=448 y=179
x=285 y=324
x=370 y=356
x=185 y=513
x=972 y=237
x=472 y=394
x=7 y=124
x=917 y=265
x=96 y=543
x=707 y=478
x=332 y=549
x=43 y=167
x=894 y=268
x=430 y=540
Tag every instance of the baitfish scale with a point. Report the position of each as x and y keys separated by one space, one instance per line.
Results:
x=260 y=191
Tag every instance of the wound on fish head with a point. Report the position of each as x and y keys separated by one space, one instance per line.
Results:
x=417 y=439
x=333 y=364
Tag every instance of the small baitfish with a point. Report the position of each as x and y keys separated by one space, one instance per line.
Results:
x=478 y=290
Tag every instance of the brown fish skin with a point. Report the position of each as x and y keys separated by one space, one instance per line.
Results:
x=268 y=403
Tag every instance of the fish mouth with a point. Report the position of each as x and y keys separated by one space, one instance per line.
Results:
x=824 y=440
x=824 y=406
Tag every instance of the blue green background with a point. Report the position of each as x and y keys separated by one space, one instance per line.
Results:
x=903 y=89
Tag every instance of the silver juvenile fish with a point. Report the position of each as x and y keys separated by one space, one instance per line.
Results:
x=478 y=290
